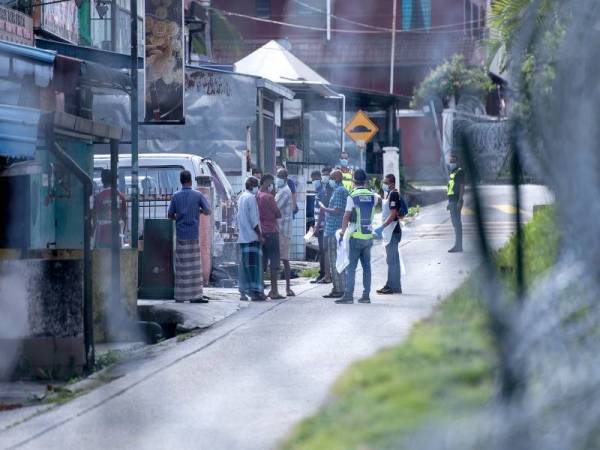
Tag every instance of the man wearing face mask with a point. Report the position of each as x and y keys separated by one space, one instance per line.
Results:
x=456 y=191
x=333 y=222
x=249 y=239
x=321 y=197
x=284 y=223
x=269 y=213
x=346 y=171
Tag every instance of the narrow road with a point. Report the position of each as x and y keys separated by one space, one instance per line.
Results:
x=245 y=382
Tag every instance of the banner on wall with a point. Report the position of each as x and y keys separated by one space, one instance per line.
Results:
x=164 y=62
x=60 y=20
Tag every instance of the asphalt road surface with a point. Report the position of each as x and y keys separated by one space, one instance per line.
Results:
x=245 y=382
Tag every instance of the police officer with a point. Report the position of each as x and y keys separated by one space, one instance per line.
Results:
x=360 y=209
x=346 y=171
x=456 y=191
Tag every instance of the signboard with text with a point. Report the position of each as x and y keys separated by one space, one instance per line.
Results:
x=15 y=27
x=164 y=66
x=60 y=20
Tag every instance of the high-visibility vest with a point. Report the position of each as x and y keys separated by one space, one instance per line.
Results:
x=364 y=211
x=451 y=182
x=347 y=180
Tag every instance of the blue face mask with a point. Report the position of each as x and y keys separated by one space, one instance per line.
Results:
x=386 y=188
x=317 y=184
x=332 y=183
x=344 y=162
x=270 y=188
x=255 y=190
x=325 y=179
x=452 y=166
x=280 y=183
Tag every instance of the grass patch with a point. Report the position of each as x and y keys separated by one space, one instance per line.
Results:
x=310 y=272
x=447 y=364
x=414 y=211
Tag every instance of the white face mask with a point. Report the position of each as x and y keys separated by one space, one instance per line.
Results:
x=270 y=188
x=452 y=166
x=325 y=179
x=280 y=183
x=255 y=190
x=332 y=183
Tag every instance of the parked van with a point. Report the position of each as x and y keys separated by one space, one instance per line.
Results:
x=158 y=180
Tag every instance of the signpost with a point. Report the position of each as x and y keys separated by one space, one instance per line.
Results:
x=361 y=130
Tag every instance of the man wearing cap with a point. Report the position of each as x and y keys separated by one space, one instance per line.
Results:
x=360 y=209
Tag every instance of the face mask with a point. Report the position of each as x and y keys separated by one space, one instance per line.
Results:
x=254 y=190
x=344 y=162
x=386 y=188
x=270 y=188
x=332 y=183
x=280 y=183
x=325 y=179
x=317 y=184
x=452 y=166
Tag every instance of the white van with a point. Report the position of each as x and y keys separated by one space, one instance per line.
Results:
x=158 y=180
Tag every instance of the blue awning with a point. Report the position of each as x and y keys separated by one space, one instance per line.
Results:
x=18 y=131
x=18 y=60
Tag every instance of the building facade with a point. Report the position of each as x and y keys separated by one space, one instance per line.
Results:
x=358 y=53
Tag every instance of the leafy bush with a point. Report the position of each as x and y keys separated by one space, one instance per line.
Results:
x=452 y=79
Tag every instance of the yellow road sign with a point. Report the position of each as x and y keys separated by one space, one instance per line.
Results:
x=361 y=128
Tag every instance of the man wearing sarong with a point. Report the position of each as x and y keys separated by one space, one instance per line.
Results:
x=250 y=239
x=185 y=209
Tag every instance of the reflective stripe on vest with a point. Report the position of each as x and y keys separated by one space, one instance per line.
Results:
x=347 y=180
x=451 y=182
x=364 y=205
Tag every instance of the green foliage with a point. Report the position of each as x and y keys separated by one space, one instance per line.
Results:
x=310 y=272
x=452 y=78
x=414 y=211
x=445 y=368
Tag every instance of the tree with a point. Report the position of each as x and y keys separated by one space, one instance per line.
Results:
x=452 y=79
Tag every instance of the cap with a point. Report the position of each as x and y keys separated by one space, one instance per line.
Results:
x=360 y=175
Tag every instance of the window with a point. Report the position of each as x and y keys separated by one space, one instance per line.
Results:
x=416 y=15
x=263 y=8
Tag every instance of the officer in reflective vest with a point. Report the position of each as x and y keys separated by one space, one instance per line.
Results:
x=358 y=220
x=346 y=171
x=456 y=191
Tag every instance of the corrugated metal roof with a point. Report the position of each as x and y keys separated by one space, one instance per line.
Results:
x=19 y=61
x=18 y=131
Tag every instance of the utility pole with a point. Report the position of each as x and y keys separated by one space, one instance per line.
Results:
x=393 y=53
x=134 y=125
x=329 y=20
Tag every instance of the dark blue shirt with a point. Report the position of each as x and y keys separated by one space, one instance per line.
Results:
x=187 y=204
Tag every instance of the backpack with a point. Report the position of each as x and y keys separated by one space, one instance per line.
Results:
x=403 y=207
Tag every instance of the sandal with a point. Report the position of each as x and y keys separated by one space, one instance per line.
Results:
x=290 y=293
x=275 y=297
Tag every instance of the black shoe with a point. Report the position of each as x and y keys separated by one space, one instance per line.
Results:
x=334 y=294
x=316 y=280
x=258 y=298
x=344 y=301
x=455 y=250
x=199 y=300
x=243 y=298
x=364 y=299
x=324 y=281
x=385 y=291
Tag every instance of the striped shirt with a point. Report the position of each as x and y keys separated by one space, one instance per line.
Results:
x=333 y=222
x=187 y=204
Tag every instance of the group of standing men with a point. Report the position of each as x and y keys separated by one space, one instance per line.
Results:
x=266 y=211
x=343 y=204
